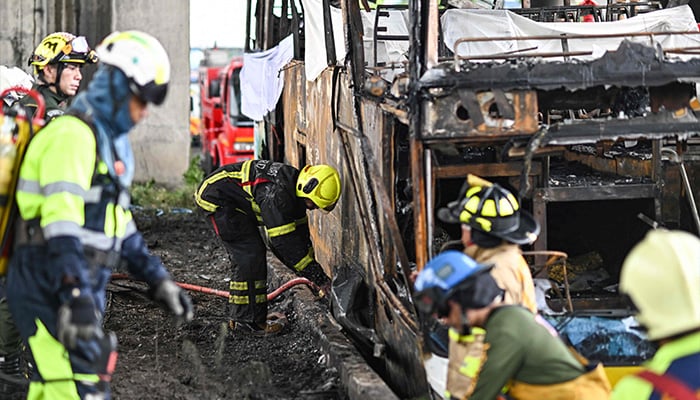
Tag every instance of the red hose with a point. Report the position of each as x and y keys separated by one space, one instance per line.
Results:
x=223 y=293
x=291 y=283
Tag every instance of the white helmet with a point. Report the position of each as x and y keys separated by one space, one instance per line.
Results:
x=11 y=77
x=142 y=59
x=662 y=277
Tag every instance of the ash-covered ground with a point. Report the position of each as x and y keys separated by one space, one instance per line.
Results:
x=202 y=359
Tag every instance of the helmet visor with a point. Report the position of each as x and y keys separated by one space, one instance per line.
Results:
x=150 y=92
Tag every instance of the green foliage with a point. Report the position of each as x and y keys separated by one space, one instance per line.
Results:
x=152 y=195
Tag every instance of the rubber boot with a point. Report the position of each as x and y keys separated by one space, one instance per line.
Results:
x=13 y=383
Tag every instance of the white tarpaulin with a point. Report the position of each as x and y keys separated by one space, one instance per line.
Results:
x=315 y=60
x=503 y=23
x=262 y=78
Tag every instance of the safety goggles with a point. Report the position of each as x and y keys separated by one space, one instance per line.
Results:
x=77 y=50
x=432 y=301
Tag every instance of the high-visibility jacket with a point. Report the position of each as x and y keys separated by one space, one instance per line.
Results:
x=65 y=189
x=680 y=359
x=265 y=191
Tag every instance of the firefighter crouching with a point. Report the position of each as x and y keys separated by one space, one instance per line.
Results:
x=661 y=276
x=520 y=354
x=242 y=196
x=76 y=225
x=57 y=62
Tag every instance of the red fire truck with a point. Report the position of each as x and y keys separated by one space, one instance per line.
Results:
x=226 y=134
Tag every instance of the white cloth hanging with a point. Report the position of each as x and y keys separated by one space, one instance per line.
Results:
x=262 y=78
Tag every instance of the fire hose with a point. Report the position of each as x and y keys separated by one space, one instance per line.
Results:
x=223 y=293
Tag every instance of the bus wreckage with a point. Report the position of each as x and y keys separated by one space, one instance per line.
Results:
x=593 y=124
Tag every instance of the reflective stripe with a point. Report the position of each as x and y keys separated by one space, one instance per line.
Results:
x=261 y=284
x=245 y=178
x=238 y=285
x=256 y=210
x=62 y=228
x=281 y=230
x=209 y=206
x=259 y=298
x=304 y=262
x=470 y=366
x=454 y=335
x=238 y=300
x=64 y=187
x=288 y=228
x=130 y=227
x=28 y=186
x=124 y=200
x=93 y=195
x=51 y=360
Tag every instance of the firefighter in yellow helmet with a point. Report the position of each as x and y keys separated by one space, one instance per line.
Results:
x=241 y=197
x=661 y=276
x=493 y=228
x=57 y=63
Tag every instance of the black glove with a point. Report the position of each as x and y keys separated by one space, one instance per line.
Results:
x=174 y=300
x=315 y=274
x=78 y=318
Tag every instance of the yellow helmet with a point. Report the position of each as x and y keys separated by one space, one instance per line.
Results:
x=661 y=275
x=494 y=210
x=321 y=184
x=61 y=47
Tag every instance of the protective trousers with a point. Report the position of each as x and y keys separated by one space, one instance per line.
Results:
x=34 y=306
x=248 y=255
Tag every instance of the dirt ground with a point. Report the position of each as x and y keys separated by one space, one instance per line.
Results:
x=202 y=359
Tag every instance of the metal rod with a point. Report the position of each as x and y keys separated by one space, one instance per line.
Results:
x=676 y=158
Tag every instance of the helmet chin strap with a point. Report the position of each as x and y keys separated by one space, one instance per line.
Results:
x=57 y=80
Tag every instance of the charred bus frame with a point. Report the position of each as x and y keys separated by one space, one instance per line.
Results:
x=404 y=145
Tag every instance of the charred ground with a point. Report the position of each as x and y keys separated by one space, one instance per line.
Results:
x=202 y=359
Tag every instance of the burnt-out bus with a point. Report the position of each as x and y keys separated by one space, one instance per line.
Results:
x=593 y=124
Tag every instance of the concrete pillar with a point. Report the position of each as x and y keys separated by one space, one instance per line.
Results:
x=161 y=143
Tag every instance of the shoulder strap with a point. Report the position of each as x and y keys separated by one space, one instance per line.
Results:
x=666 y=384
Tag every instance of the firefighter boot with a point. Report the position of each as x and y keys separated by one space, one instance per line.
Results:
x=13 y=384
x=273 y=325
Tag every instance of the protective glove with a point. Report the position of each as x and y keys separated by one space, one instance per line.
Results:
x=78 y=318
x=174 y=300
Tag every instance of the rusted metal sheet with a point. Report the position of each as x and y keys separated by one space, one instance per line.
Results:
x=322 y=129
x=466 y=113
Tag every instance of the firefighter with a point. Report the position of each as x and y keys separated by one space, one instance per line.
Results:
x=493 y=228
x=520 y=354
x=661 y=277
x=242 y=196
x=57 y=63
x=75 y=225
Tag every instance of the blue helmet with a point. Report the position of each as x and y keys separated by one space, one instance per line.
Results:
x=448 y=275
